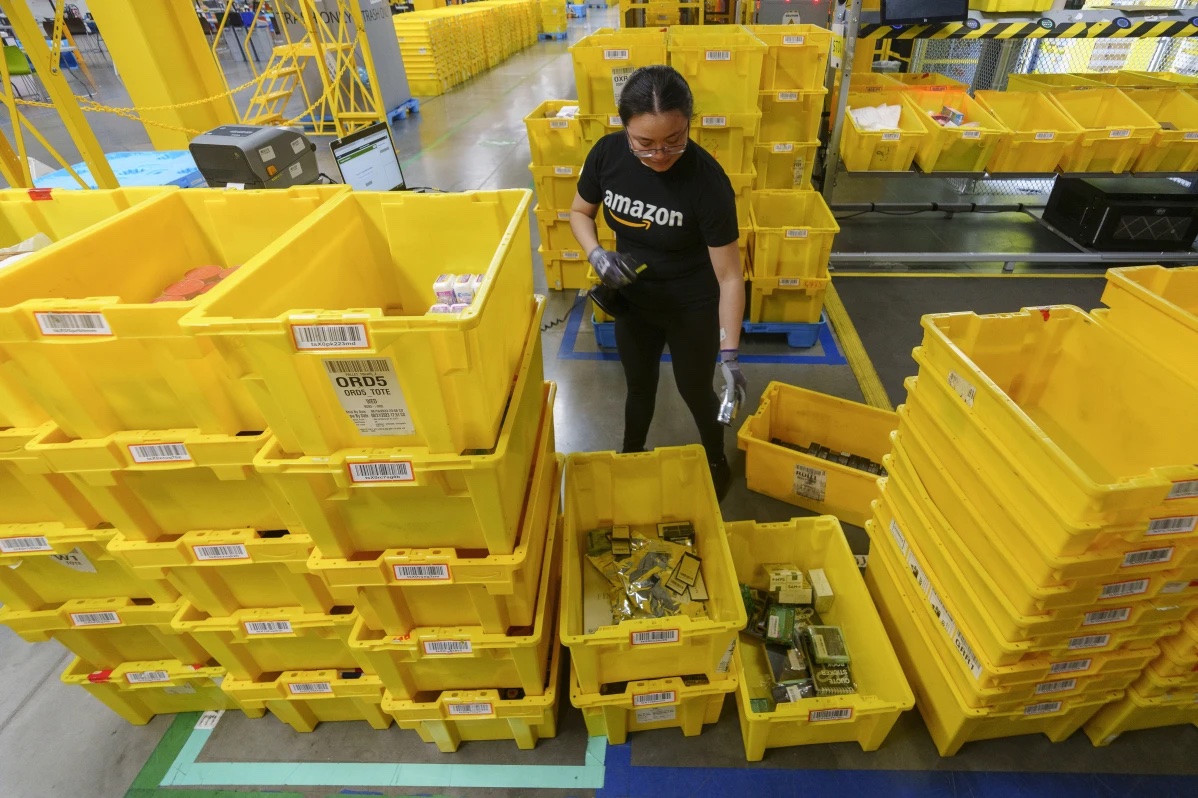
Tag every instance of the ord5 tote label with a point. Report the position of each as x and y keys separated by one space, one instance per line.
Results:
x=369 y=393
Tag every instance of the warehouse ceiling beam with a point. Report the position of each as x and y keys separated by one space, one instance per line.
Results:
x=162 y=55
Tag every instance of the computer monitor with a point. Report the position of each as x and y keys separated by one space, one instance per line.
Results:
x=367 y=160
x=922 y=12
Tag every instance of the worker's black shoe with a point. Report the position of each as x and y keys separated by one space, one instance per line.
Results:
x=721 y=476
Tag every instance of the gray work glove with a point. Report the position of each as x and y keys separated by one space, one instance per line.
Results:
x=614 y=269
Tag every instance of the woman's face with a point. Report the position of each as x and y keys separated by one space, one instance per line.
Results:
x=663 y=134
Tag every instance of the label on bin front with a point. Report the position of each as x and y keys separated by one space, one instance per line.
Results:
x=559 y=124
x=329 y=336
x=656 y=636
x=891 y=136
x=963 y=387
x=810 y=483
x=719 y=55
x=473 y=708
x=792 y=41
x=796 y=232
x=789 y=282
x=726 y=661
x=1191 y=136
x=448 y=647
x=1089 y=641
x=1120 y=133
x=615 y=55
x=1147 y=557
x=1179 y=525
x=1118 y=589
x=94 y=618
x=147 y=677
x=619 y=76
x=399 y=471
x=1043 y=708
x=421 y=573
x=819 y=715
x=564 y=171
x=788 y=96
x=1185 y=489
x=229 y=552
x=76 y=560
x=159 y=453
x=1070 y=666
x=657 y=714
x=1060 y=686
x=309 y=688
x=563 y=216
x=714 y=121
x=971 y=134
x=799 y=172
x=918 y=573
x=73 y=324
x=23 y=545
x=370 y=395
x=782 y=147
x=1045 y=135
x=649 y=699
x=900 y=539
x=268 y=627
x=1106 y=616
x=614 y=120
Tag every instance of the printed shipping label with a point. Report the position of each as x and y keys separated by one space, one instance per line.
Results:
x=159 y=453
x=619 y=76
x=656 y=636
x=473 y=708
x=818 y=715
x=1180 y=525
x=800 y=171
x=899 y=539
x=1147 y=557
x=23 y=545
x=648 y=699
x=73 y=324
x=268 y=627
x=448 y=647
x=76 y=560
x=963 y=387
x=309 y=688
x=400 y=471
x=421 y=573
x=94 y=619
x=1070 y=666
x=657 y=714
x=369 y=393
x=811 y=483
x=329 y=336
x=917 y=572
x=232 y=552
x=147 y=677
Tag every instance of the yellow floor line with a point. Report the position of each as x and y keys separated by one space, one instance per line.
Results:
x=854 y=351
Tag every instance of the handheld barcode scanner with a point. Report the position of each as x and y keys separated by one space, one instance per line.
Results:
x=609 y=300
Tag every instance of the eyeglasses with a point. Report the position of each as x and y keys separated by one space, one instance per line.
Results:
x=676 y=149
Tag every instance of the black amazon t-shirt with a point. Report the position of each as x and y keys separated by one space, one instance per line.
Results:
x=666 y=220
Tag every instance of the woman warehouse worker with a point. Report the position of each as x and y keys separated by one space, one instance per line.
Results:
x=676 y=278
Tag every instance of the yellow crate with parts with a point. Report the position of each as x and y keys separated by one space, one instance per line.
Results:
x=303 y=699
x=137 y=691
x=686 y=703
x=221 y=572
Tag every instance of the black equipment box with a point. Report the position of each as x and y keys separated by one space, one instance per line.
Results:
x=1124 y=213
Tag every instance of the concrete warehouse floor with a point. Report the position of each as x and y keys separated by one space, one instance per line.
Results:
x=57 y=741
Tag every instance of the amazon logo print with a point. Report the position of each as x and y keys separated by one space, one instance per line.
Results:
x=644 y=214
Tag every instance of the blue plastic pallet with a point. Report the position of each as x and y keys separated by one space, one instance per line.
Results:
x=605 y=333
x=410 y=107
x=557 y=37
x=798 y=335
x=577 y=11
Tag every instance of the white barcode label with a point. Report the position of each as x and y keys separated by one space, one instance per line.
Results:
x=330 y=336
x=615 y=55
x=1107 y=616
x=810 y=483
x=1147 y=557
x=571 y=254
x=73 y=324
x=942 y=614
x=971 y=134
x=22 y=545
x=1133 y=588
x=791 y=41
x=917 y=572
x=559 y=124
x=714 y=121
x=782 y=147
x=963 y=387
x=76 y=560
x=159 y=453
x=421 y=573
x=268 y=627
x=448 y=647
x=1180 y=525
x=564 y=171
x=563 y=216
x=649 y=699
x=1183 y=490
x=309 y=688
x=796 y=232
x=789 y=282
x=147 y=677
x=474 y=708
x=719 y=55
x=400 y=471
x=966 y=651
x=1174 y=587
x=1045 y=135
x=900 y=539
x=818 y=715
x=788 y=96
x=94 y=618
x=1043 y=708
x=209 y=719
x=234 y=552
x=1060 y=686
x=296 y=169
x=1070 y=666
x=1089 y=641
x=891 y=136
x=657 y=714
x=1120 y=133
x=726 y=661
x=615 y=121
x=655 y=637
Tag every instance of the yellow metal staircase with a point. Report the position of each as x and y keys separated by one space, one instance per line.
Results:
x=278 y=82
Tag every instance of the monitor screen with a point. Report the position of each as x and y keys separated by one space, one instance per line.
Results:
x=367 y=160
x=919 y=12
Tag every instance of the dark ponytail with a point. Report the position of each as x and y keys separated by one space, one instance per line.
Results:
x=655 y=89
